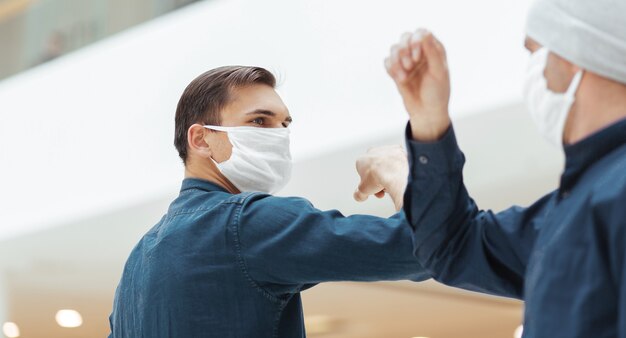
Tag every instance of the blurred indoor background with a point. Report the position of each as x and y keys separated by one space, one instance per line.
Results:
x=88 y=90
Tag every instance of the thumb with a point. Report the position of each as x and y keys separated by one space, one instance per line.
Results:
x=435 y=55
x=359 y=196
x=366 y=187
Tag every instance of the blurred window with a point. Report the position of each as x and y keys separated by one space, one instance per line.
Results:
x=36 y=31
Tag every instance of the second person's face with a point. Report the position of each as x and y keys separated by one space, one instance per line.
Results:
x=558 y=73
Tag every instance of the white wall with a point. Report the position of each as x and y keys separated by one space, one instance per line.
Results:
x=92 y=132
x=4 y=301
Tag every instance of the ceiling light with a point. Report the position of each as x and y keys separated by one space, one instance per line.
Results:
x=11 y=330
x=518 y=332
x=320 y=324
x=69 y=318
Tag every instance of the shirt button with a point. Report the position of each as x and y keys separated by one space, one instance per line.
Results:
x=565 y=194
x=423 y=159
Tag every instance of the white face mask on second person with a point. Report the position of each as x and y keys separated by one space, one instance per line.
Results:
x=548 y=109
x=260 y=160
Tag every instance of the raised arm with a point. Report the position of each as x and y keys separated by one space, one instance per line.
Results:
x=459 y=244
x=456 y=242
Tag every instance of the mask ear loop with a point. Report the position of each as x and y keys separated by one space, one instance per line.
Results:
x=570 y=97
x=214 y=128
x=573 y=87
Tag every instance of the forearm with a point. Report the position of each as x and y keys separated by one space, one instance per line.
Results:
x=304 y=245
x=460 y=245
x=430 y=198
x=429 y=127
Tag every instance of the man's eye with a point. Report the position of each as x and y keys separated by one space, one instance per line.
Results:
x=259 y=120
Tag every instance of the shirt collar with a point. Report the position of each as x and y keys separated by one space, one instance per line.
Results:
x=581 y=155
x=197 y=183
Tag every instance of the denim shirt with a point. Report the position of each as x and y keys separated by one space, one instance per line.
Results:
x=223 y=265
x=564 y=255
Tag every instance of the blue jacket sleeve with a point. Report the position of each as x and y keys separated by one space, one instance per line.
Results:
x=622 y=291
x=608 y=221
x=456 y=242
x=286 y=241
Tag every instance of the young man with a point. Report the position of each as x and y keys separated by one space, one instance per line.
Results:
x=229 y=259
x=565 y=256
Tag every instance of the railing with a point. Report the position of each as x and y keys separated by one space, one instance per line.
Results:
x=36 y=31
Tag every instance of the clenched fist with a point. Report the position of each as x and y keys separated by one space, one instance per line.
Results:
x=418 y=65
x=383 y=170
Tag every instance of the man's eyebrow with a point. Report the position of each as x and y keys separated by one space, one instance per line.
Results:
x=262 y=112
x=267 y=113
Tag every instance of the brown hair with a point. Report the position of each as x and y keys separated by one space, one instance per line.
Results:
x=206 y=96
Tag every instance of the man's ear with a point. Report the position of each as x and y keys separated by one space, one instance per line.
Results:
x=196 y=135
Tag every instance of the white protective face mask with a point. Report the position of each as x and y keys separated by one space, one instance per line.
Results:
x=549 y=110
x=260 y=161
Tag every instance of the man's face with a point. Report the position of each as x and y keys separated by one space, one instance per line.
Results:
x=251 y=106
x=558 y=73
